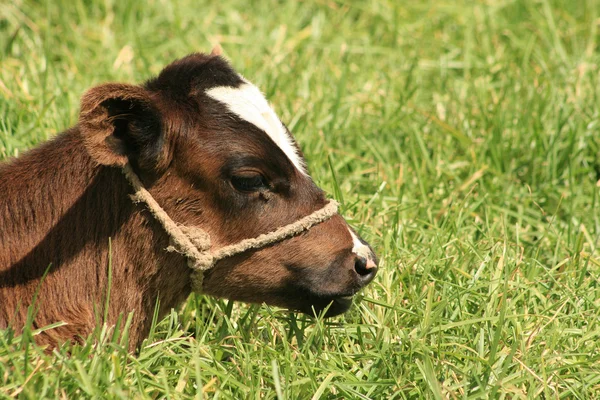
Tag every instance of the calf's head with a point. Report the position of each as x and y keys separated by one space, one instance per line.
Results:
x=213 y=153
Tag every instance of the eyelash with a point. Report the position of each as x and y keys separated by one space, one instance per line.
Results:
x=249 y=184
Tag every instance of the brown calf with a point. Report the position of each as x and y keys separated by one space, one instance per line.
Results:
x=213 y=154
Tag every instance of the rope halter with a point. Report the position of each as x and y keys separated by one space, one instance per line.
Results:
x=194 y=242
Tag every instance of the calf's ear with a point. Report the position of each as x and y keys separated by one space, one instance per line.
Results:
x=120 y=123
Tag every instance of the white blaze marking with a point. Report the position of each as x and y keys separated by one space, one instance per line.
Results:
x=358 y=248
x=248 y=103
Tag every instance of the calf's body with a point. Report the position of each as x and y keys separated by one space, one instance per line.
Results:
x=65 y=218
x=214 y=155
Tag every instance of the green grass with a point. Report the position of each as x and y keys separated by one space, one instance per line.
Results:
x=463 y=139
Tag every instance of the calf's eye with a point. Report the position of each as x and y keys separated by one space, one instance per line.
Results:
x=249 y=183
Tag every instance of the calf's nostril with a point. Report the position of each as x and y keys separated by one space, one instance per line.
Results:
x=365 y=268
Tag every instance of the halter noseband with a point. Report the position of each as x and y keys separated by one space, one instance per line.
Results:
x=194 y=242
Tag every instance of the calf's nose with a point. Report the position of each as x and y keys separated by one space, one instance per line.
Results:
x=365 y=269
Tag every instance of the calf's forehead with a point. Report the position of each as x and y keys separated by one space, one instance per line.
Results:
x=247 y=103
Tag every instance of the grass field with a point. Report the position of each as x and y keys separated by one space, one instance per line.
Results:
x=463 y=140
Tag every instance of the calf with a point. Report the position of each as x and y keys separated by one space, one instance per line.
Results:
x=210 y=152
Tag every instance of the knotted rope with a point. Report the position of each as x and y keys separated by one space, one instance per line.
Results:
x=194 y=243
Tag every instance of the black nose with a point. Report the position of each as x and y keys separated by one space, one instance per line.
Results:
x=365 y=269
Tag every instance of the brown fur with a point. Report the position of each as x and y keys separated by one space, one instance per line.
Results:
x=65 y=213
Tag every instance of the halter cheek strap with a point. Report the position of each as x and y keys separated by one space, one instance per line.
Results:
x=194 y=242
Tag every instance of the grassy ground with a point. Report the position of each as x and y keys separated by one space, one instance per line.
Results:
x=462 y=138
